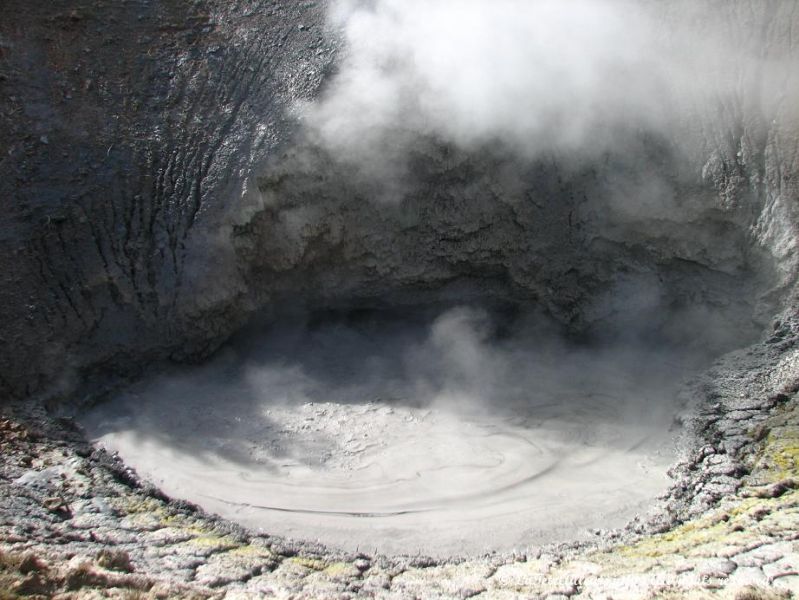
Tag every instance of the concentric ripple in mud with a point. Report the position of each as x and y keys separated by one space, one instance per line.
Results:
x=440 y=437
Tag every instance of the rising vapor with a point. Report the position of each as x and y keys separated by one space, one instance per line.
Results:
x=541 y=76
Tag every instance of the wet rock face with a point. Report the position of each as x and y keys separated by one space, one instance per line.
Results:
x=158 y=192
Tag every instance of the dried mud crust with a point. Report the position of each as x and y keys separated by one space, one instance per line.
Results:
x=75 y=522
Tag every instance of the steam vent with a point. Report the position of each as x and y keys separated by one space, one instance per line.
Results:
x=399 y=299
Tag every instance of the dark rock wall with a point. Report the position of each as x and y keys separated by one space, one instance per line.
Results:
x=127 y=130
x=693 y=220
x=150 y=203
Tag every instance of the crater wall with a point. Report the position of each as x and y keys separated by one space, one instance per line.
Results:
x=159 y=189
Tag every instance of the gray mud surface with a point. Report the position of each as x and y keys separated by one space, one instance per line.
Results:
x=408 y=435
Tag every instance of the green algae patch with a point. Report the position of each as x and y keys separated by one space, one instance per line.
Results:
x=251 y=550
x=733 y=525
x=681 y=540
x=132 y=505
x=342 y=570
x=213 y=541
x=184 y=524
x=778 y=458
x=736 y=521
x=782 y=452
x=177 y=521
x=313 y=564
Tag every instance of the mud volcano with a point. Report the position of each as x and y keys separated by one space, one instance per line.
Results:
x=386 y=426
x=440 y=279
x=397 y=434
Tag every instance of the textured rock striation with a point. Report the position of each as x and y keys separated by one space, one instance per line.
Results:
x=129 y=131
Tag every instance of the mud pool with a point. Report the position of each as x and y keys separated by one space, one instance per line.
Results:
x=443 y=432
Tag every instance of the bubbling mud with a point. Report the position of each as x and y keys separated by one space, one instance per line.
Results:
x=444 y=434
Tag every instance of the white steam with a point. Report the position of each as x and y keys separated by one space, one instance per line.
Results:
x=538 y=75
